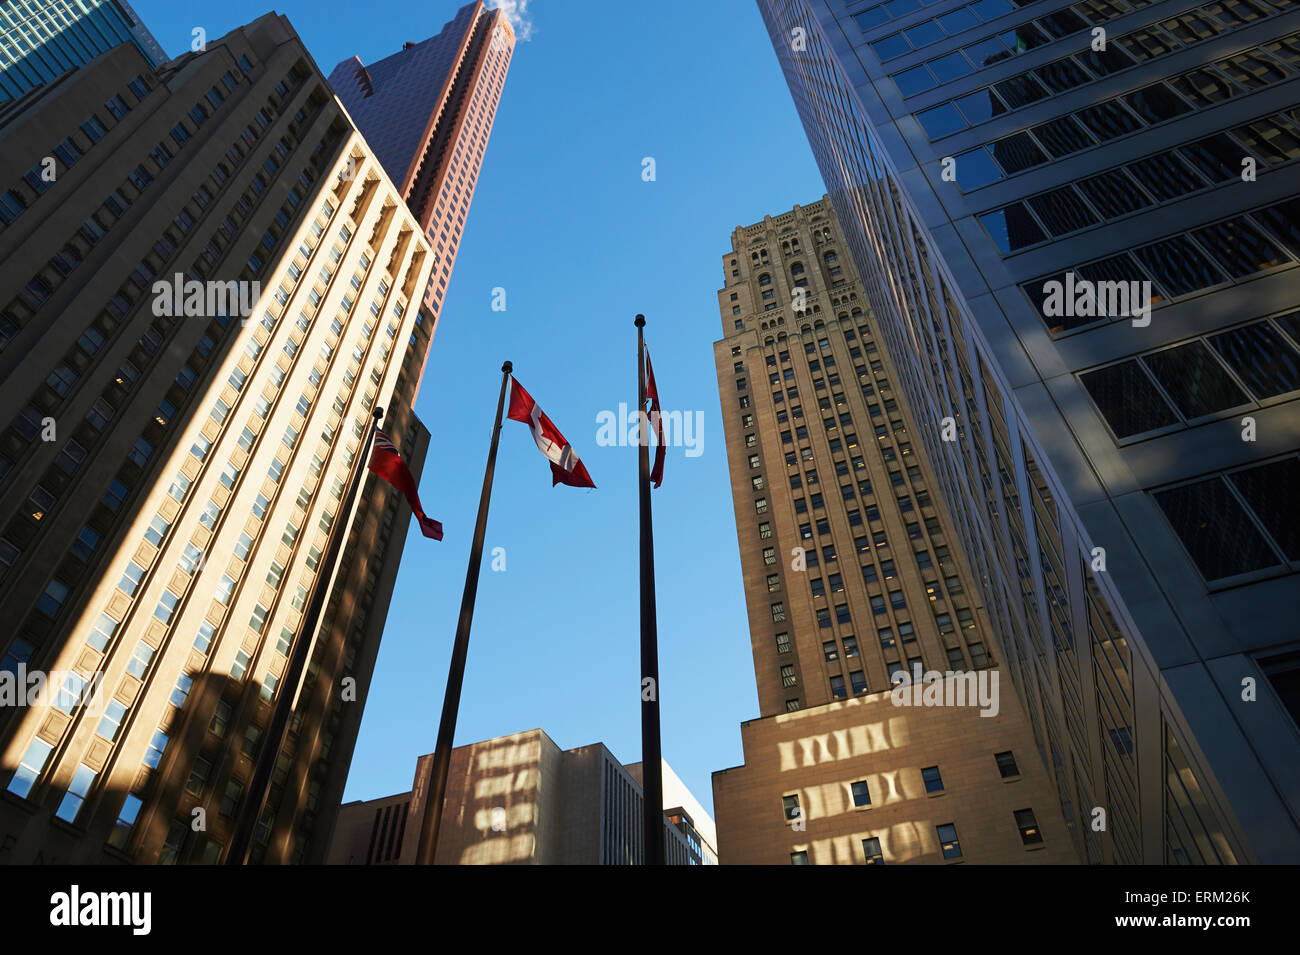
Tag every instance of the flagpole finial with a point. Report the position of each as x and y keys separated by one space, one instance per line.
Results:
x=378 y=412
x=640 y=321
x=507 y=368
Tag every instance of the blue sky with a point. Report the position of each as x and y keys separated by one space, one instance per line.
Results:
x=563 y=221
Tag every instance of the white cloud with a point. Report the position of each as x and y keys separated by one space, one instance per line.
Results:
x=516 y=12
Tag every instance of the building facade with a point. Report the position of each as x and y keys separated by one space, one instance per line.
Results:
x=853 y=593
x=428 y=111
x=521 y=800
x=208 y=286
x=1078 y=227
x=40 y=40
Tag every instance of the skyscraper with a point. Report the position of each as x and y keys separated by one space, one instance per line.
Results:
x=850 y=581
x=1079 y=231
x=208 y=285
x=428 y=112
x=41 y=40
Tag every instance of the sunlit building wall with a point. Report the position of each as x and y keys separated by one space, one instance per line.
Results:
x=521 y=800
x=170 y=468
x=849 y=579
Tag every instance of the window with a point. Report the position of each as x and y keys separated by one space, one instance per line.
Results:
x=861 y=793
x=1028 y=826
x=871 y=850
x=1215 y=529
x=1007 y=767
x=240 y=666
x=82 y=780
x=787 y=675
x=783 y=643
x=111 y=723
x=948 y=841
x=153 y=755
x=225 y=588
x=933 y=781
x=799 y=858
x=131 y=578
x=790 y=805
x=858 y=680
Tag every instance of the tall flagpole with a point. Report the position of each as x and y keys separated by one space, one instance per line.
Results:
x=651 y=758
x=251 y=808
x=437 y=792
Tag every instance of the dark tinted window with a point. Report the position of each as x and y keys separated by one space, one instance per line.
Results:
x=1113 y=194
x=1218 y=157
x=1063 y=136
x=1284 y=220
x=1239 y=247
x=1156 y=103
x=1108 y=120
x=1215 y=529
x=1178 y=265
x=1127 y=399
x=1270 y=492
x=1062 y=211
x=1166 y=176
x=1261 y=358
x=1017 y=153
x=1194 y=379
x=1012 y=228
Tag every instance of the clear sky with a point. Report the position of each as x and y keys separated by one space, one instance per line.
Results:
x=563 y=221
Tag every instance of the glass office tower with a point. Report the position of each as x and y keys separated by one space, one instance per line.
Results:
x=41 y=40
x=1078 y=227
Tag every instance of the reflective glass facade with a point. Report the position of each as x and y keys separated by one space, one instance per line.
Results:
x=1081 y=249
x=42 y=39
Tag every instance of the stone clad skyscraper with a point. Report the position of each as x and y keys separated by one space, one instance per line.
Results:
x=849 y=579
x=171 y=466
x=1123 y=477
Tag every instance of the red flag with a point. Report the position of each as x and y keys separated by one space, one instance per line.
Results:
x=651 y=392
x=388 y=464
x=566 y=468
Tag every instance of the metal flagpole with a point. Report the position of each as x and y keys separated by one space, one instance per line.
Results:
x=651 y=758
x=456 y=675
x=251 y=808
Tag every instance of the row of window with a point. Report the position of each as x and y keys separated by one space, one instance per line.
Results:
x=1163 y=390
x=1180 y=264
x=1139 y=185
x=1068 y=72
x=1110 y=119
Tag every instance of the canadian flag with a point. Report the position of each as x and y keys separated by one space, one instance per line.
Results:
x=388 y=464
x=652 y=393
x=565 y=466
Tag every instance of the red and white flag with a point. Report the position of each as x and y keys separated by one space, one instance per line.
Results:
x=652 y=393
x=566 y=468
x=388 y=464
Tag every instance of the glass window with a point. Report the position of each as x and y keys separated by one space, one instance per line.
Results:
x=1261 y=357
x=1178 y=265
x=1215 y=529
x=1270 y=491
x=1194 y=379
x=1127 y=399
